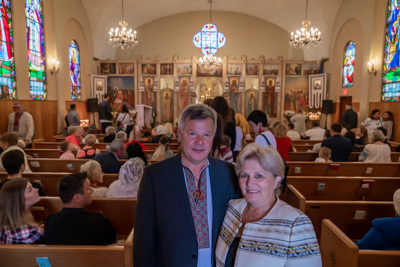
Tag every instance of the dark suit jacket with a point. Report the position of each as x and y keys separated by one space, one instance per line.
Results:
x=164 y=228
x=341 y=147
x=109 y=162
x=73 y=226
x=350 y=119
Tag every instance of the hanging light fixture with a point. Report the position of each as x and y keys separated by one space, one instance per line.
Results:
x=209 y=40
x=123 y=38
x=303 y=38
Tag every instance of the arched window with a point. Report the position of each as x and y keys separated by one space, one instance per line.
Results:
x=349 y=59
x=74 y=70
x=391 y=70
x=7 y=65
x=35 y=43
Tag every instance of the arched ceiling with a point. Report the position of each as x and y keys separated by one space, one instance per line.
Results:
x=287 y=14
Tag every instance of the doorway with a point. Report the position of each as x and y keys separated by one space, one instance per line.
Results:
x=344 y=100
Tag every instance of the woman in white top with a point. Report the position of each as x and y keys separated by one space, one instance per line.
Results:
x=377 y=151
x=124 y=117
x=388 y=123
x=374 y=121
x=259 y=124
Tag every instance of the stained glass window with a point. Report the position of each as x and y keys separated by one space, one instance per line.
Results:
x=74 y=70
x=36 y=55
x=7 y=65
x=349 y=59
x=209 y=39
x=391 y=70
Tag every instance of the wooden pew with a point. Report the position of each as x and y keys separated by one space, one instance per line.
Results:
x=305 y=142
x=55 y=165
x=311 y=156
x=49 y=180
x=353 y=217
x=68 y=255
x=337 y=249
x=101 y=146
x=297 y=168
x=345 y=188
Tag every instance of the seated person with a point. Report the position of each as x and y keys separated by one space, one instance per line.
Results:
x=135 y=150
x=75 y=137
x=352 y=137
x=161 y=130
x=317 y=146
x=109 y=161
x=134 y=137
x=385 y=232
x=9 y=141
x=128 y=183
x=287 y=234
x=66 y=149
x=92 y=130
x=13 y=162
x=146 y=138
x=163 y=150
x=377 y=151
x=17 y=225
x=73 y=225
x=362 y=136
x=95 y=175
x=324 y=155
x=88 y=151
x=110 y=134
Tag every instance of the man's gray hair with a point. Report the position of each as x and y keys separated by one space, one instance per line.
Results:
x=17 y=103
x=197 y=112
x=116 y=144
x=121 y=135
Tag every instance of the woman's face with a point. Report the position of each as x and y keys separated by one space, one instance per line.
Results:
x=98 y=175
x=31 y=195
x=376 y=115
x=385 y=116
x=257 y=185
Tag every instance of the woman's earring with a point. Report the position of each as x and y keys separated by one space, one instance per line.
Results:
x=259 y=130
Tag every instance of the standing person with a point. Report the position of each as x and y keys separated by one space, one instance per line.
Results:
x=17 y=225
x=221 y=106
x=350 y=118
x=20 y=122
x=259 y=124
x=72 y=116
x=341 y=146
x=283 y=142
x=182 y=200
x=299 y=121
x=105 y=112
x=8 y=142
x=388 y=123
x=124 y=117
x=374 y=121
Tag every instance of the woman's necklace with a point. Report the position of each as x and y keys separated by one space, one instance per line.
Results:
x=257 y=214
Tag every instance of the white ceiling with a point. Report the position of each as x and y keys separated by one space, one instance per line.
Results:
x=288 y=14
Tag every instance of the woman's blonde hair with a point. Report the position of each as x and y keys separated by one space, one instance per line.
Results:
x=13 y=212
x=396 y=201
x=268 y=158
x=159 y=154
x=325 y=153
x=91 y=168
x=280 y=130
x=375 y=136
x=90 y=140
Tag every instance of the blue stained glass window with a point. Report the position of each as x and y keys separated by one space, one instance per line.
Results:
x=36 y=54
x=209 y=39
x=391 y=70
x=7 y=64
x=349 y=59
x=75 y=71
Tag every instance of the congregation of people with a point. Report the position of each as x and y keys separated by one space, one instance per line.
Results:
x=214 y=201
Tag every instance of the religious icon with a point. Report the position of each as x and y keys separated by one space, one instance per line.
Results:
x=270 y=98
x=167 y=104
x=234 y=94
x=149 y=95
x=184 y=93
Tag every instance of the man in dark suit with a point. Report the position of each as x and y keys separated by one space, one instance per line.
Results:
x=341 y=146
x=350 y=118
x=105 y=112
x=182 y=200
x=73 y=225
x=109 y=161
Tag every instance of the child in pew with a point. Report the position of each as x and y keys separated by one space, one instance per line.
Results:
x=88 y=152
x=95 y=175
x=13 y=162
x=17 y=225
x=324 y=155
x=66 y=149
x=128 y=183
x=385 y=232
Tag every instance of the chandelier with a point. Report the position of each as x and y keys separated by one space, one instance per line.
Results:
x=303 y=38
x=123 y=38
x=209 y=40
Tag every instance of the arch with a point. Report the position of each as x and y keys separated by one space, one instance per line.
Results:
x=74 y=70
x=349 y=60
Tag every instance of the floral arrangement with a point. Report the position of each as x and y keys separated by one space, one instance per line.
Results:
x=288 y=114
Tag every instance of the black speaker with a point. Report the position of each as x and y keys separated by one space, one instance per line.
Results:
x=91 y=105
x=327 y=107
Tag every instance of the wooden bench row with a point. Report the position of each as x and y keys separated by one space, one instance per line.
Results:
x=311 y=156
x=101 y=146
x=78 y=256
x=338 y=250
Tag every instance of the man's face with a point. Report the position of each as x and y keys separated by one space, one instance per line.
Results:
x=196 y=140
x=120 y=152
x=87 y=193
x=18 y=109
x=4 y=145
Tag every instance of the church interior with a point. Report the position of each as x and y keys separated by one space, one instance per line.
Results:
x=256 y=54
